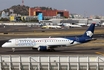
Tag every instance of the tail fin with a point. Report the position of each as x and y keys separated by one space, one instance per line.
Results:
x=90 y=31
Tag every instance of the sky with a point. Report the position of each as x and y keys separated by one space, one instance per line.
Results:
x=82 y=7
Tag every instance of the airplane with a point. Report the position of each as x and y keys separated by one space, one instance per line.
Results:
x=70 y=25
x=82 y=24
x=51 y=27
x=48 y=44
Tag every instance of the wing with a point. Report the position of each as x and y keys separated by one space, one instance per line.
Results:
x=47 y=47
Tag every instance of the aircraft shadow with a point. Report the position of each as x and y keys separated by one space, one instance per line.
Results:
x=58 y=51
x=81 y=49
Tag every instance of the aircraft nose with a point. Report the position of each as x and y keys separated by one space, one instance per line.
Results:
x=3 y=45
x=2 y=42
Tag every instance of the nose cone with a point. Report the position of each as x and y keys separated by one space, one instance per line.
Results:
x=2 y=42
x=7 y=44
x=4 y=45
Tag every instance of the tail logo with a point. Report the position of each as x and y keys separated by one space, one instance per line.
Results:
x=89 y=33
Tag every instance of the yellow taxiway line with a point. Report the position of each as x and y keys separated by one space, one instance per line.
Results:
x=100 y=53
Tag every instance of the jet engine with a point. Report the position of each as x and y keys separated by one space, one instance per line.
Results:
x=42 y=48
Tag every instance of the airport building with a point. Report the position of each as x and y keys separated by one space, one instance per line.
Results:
x=51 y=13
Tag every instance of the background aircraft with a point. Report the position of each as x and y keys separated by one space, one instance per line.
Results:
x=51 y=27
x=44 y=44
x=69 y=25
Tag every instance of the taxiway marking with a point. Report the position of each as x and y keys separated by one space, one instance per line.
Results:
x=100 y=53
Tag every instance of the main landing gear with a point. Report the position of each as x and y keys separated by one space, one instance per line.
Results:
x=51 y=50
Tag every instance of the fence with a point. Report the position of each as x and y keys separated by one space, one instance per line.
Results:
x=51 y=62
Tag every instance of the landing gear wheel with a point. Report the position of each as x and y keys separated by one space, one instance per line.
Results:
x=38 y=48
x=52 y=50
x=33 y=48
x=13 y=49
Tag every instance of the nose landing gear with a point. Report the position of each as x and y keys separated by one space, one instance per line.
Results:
x=13 y=49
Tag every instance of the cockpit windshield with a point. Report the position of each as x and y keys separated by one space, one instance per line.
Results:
x=9 y=41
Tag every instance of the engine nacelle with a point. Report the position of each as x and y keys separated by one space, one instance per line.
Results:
x=42 y=48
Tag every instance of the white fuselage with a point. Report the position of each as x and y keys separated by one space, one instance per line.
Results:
x=50 y=26
x=70 y=25
x=36 y=42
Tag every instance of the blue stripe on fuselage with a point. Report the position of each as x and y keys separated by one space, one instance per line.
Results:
x=79 y=39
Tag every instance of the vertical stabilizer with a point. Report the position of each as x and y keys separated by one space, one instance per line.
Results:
x=90 y=31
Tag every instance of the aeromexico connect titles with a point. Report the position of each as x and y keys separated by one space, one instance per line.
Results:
x=44 y=44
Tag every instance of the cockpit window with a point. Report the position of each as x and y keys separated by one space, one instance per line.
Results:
x=9 y=41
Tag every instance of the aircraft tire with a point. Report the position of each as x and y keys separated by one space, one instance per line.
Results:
x=51 y=50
